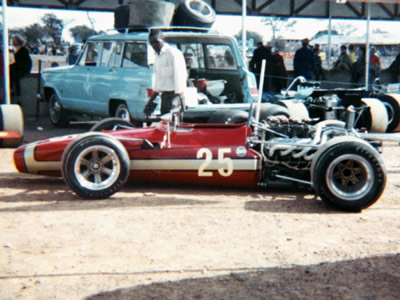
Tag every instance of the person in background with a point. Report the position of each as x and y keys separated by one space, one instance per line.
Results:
x=344 y=62
x=358 y=68
x=21 y=65
x=260 y=53
x=352 y=53
x=72 y=55
x=374 y=64
x=170 y=75
x=304 y=60
x=318 y=71
x=394 y=67
x=278 y=71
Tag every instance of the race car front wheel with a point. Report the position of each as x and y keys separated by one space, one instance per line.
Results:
x=112 y=124
x=95 y=166
x=349 y=175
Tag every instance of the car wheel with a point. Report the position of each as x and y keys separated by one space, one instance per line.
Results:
x=95 y=166
x=58 y=115
x=11 y=119
x=374 y=119
x=228 y=116
x=111 y=124
x=122 y=112
x=348 y=174
x=196 y=13
x=392 y=104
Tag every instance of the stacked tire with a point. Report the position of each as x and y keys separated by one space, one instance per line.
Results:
x=11 y=124
x=141 y=14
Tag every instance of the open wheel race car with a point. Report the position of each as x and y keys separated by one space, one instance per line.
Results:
x=344 y=167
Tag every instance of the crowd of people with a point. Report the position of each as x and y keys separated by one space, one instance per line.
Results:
x=307 y=62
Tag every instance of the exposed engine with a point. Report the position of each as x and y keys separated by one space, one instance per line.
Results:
x=288 y=146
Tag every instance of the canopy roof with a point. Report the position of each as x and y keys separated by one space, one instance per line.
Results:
x=343 y=9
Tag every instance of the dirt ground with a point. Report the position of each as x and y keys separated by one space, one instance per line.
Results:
x=169 y=242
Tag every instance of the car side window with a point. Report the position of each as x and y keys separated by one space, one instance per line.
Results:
x=91 y=54
x=135 y=55
x=220 y=57
x=106 y=53
x=116 y=54
x=194 y=55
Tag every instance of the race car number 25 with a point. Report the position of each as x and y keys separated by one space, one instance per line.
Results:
x=222 y=164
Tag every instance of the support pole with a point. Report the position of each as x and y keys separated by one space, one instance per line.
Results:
x=6 y=56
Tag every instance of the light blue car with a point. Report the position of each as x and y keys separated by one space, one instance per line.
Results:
x=113 y=77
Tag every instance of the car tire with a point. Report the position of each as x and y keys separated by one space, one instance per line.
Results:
x=95 y=166
x=296 y=108
x=59 y=117
x=11 y=119
x=194 y=13
x=375 y=119
x=228 y=116
x=348 y=174
x=392 y=104
x=111 y=124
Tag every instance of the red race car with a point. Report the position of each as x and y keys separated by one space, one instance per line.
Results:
x=343 y=166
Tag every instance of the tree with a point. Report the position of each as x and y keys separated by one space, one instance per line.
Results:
x=82 y=32
x=34 y=34
x=249 y=36
x=278 y=25
x=53 y=27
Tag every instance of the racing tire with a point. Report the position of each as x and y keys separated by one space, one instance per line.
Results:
x=11 y=119
x=392 y=104
x=348 y=174
x=112 y=124
x=271 y=110
x=195 y=13
x=95 y=166
x=228 y=116
x=375 y=118
x=59 y=117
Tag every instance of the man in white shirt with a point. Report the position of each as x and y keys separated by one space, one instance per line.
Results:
x=170 y=75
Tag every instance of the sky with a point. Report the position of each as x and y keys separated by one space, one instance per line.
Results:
x=230 y=25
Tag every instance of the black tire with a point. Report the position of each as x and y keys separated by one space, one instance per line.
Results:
x=95 y=166
x=11 y=119
x=111 y=124
x=59 y=117
x=392 y=104
x=228 y=116
x=271 y=110
x=122 y=112
x=348 y=174
x=194 y=13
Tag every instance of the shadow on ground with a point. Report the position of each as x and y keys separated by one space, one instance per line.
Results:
x=370 y=278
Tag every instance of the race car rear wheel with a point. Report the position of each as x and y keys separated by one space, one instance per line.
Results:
x=296 y=108
x=112 y=124
x=95 y=166
x=348 y=174
x=392 y=104
x=375 y=118
x=271 y=110
x=58 y=115
x=11 y=119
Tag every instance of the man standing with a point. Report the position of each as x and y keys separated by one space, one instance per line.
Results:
x=170 y=75
x=304 y=60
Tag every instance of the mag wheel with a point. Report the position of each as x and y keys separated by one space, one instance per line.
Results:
x=95 y=166
x=58 y=115
x=348 y=174
x=112 y=124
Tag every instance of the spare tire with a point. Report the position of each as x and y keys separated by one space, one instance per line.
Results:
x=194 y=13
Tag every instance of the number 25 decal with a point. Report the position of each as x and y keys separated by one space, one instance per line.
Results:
x=224 y=164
